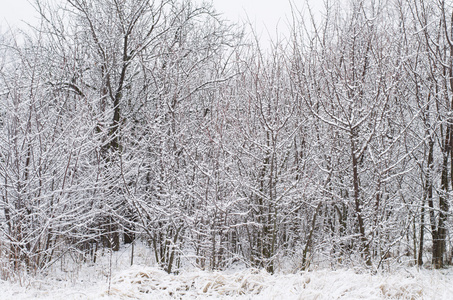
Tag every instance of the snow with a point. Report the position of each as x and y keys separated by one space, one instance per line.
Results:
x=112 y=277
x=141 y=282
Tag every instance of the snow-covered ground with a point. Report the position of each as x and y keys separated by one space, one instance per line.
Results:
x=116 y=279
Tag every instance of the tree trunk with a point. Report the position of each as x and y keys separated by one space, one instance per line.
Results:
x=358 y=209
x=428 y=195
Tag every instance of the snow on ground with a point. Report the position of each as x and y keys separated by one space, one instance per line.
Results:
x=141 y=282
x=116 y=279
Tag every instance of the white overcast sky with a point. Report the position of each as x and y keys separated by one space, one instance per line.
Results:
x=264 y=15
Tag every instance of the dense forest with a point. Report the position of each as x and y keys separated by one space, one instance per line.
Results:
x=160 y=121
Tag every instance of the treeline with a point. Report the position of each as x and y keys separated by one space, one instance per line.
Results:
x=160 y=121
